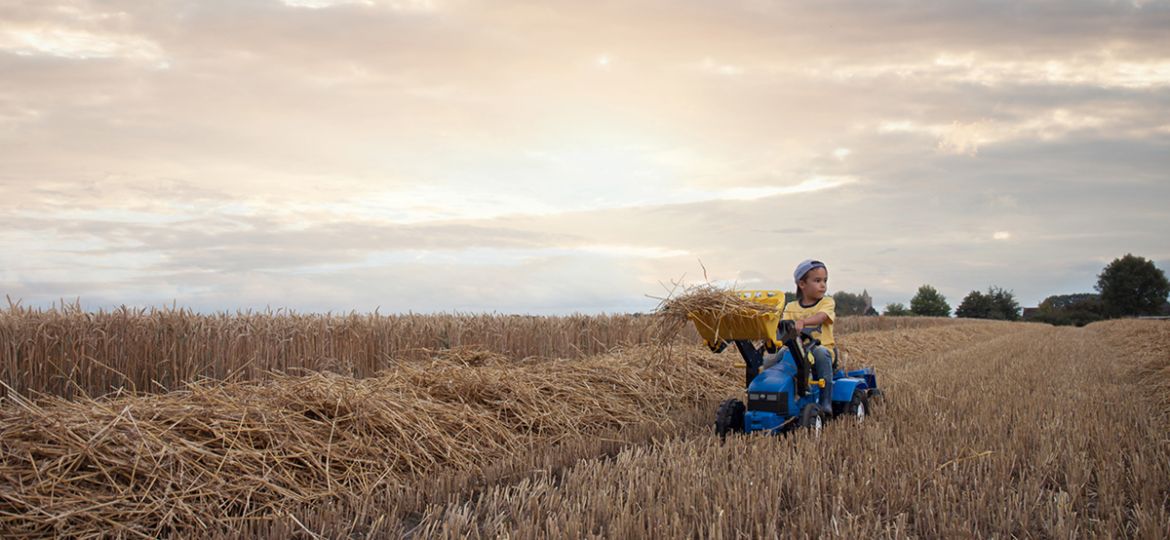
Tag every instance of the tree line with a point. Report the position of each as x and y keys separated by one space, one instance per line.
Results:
x=1128 y=286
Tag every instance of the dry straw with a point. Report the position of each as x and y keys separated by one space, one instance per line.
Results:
x=975 y=438
x=712 y=302
x=70 y=353
x=971 y=440
x=1144 y=344
x=216 y=455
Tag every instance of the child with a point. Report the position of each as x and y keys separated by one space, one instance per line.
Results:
x=814 y=311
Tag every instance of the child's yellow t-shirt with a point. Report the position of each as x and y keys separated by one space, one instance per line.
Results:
x=794 y=311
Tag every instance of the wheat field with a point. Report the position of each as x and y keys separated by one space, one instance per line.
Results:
x=70 y=352
x=987 y=429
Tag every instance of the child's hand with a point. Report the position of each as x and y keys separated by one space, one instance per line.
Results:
x=799 y=325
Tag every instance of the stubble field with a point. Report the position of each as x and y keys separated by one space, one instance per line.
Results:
x=571 y=427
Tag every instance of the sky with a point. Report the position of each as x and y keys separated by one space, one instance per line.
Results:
x=561 y=156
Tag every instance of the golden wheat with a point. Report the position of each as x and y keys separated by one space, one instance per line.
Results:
x=259 y=457
x=68 y=352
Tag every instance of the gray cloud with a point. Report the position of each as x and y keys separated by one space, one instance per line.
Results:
x=247 y=153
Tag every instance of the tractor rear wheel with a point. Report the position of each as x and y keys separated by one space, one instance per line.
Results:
x=729 y=418
x=812 y=418
x=858 y=407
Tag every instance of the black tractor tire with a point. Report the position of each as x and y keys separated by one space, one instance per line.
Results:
x=812 y=418
x=839 y=408
x=729 y=418
x=858 y=407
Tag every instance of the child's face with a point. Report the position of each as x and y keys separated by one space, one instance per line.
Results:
x=815 y=284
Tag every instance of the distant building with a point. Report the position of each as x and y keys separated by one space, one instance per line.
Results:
x=1029 y=312
x=869 y=310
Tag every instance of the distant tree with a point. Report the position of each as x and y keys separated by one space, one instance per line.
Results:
x=896 y=310
x=849 y=303
x=1075 y=309
x=975 y=305
x=1133 y=286
x=1064 y=301
x=928 y=302
x=1003 y=304
x=995 y=304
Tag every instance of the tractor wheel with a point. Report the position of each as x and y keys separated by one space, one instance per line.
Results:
x=812 y=418
x=858 y=406
x=729 y=418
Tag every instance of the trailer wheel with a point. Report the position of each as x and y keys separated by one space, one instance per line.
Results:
x=729 y=418
x=858 y=407
x=811 y=418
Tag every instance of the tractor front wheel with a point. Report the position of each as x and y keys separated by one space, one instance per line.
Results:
x=858 y=407
x=811 y=418
x=729 y=418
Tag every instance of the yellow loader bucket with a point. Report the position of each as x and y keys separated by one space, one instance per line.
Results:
x=718 y=328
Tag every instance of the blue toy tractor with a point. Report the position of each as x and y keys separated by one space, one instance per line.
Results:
x=783 y=395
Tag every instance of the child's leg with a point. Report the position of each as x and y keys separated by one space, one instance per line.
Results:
x=823 y=364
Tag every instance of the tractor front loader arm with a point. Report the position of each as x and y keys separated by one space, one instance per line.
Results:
x=753 y=358
x=791 y=339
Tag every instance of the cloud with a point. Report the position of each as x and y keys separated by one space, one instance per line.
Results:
x=711 y=66
x=1101 y=70
x=77 y=44
x=411 y=5
x=967 y=137
x=75 y=31
x=364 y=153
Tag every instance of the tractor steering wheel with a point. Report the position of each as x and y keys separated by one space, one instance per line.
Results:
x=807 y=338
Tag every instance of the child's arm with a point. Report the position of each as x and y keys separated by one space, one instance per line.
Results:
x=827 y=313
x=815 y=320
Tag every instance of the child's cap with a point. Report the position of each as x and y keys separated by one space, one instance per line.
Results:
x=805 y=267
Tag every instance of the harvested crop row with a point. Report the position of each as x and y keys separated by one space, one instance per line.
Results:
x=1039 y=433
x=1145 y=347
x=216 y=456
x=893 y=348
